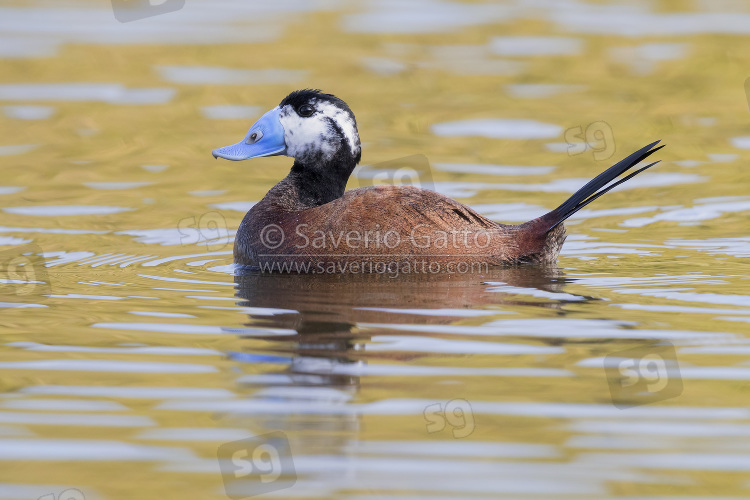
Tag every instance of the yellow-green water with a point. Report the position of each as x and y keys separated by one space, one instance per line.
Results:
x=135 y=360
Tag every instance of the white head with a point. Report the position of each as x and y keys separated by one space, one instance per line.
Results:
x=312 y=127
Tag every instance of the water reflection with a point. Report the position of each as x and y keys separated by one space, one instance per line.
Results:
x=331 y=314
x=330 y=306
x=313 y=394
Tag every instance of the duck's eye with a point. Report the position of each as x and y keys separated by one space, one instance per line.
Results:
x=254 y=137
x=305 y=110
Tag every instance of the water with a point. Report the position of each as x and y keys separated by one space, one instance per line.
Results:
x=133 y=363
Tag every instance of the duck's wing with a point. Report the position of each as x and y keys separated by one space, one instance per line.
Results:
x=397 y=222
x=402 y=208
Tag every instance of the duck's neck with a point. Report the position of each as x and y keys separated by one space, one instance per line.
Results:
x=311 y=186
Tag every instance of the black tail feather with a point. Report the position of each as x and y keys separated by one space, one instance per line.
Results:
x=591 y=191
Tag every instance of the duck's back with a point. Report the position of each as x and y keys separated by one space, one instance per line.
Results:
x=402 y=208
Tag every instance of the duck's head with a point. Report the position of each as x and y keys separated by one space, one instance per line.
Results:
x=310 y=126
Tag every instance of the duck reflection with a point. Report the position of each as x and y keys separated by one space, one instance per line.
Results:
x=325 y=310
x=320 y=365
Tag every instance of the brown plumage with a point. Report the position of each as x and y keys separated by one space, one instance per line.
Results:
x=308 y=223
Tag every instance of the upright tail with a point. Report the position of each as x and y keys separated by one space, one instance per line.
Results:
x=600 y=185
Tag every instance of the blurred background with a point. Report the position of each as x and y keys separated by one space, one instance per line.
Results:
x=134 y=363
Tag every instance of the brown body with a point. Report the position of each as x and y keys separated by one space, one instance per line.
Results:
x=385 y=225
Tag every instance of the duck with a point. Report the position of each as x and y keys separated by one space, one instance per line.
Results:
x=309 y=223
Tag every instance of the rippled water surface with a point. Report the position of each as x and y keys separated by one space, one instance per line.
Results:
x=135 y=364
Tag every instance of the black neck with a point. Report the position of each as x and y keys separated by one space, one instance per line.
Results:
x=321 y=182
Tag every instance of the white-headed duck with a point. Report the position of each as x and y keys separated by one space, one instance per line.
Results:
x=309 y=223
